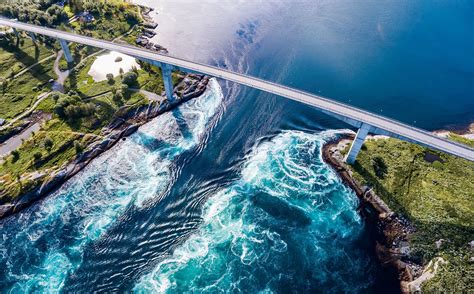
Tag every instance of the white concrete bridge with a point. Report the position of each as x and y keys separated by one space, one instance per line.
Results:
x=365 y=121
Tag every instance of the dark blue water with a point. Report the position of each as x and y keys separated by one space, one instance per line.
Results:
x=229 y=192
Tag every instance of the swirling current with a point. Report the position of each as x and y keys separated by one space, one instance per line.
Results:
x=44 y=244
x=228 y=192
x=287 y=225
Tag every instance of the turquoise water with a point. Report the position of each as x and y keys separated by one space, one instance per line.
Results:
x=228 y=192
x=288 y=224
x=44 y=244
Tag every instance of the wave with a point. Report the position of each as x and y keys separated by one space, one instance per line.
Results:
x=42 y=245
x=287 y=224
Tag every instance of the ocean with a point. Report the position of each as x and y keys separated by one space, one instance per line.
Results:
x=228 y=192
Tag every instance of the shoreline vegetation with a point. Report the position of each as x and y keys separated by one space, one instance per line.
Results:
x=421 y=202
x=63 y=116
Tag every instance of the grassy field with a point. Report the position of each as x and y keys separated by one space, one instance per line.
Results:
x=113 y=19
x=21 y=92
x=16 y=58
x=435 y=191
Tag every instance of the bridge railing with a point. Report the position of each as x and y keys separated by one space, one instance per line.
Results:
x=387 y=124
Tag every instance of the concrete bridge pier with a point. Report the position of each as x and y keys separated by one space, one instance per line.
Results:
x=66 y=51
x=32 y=36
x=166 y=71
x=357 y=143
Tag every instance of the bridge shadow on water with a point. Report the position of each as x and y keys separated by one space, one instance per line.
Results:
x=164 y=148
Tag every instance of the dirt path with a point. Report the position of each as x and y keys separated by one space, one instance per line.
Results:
x=33 y=65
x=41 y=97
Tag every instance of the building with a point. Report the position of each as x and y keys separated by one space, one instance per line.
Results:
x=85 y=17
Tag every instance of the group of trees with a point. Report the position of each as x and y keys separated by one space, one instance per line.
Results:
x=43 y=12
x=71 y=107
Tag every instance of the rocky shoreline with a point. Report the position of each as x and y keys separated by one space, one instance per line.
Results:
x=392 y=230
x=126 y=122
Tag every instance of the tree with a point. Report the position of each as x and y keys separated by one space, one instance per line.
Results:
x=78 y=147
x=130 y=78
x=37 y=156
x=380 y=167
x=15 y=155
x=110 y=78
x=48 y=143
x=118 y=98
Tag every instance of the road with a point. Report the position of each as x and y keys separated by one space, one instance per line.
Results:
x=350 y=114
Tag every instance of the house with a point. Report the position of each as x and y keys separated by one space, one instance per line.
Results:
x=85 y=17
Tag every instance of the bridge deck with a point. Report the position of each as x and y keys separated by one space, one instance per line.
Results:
x=348 y=113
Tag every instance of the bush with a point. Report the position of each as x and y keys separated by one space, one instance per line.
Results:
x=78 y=147
x=118 y=98
x=55 y=97
x=437 y=164
x=48 y=143
x=110 y=78
x=15 y=155
x=380 y=167
x=130 y=78
x=37 y=156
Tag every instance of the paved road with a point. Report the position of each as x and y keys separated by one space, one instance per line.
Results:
x=350 y=114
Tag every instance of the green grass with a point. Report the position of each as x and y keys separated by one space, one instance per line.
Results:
x=109 y=23
x=461 y=139
x=14 y=59
x=22 y=91
x=436 y=197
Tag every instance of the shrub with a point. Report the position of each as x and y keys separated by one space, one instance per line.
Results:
x=15 y=155
x=110 y=78
x=380 y=167
x=78 y=147
x=55 y=97
x=438 y=164
x=48 y=143
x=130 y=78
x=37 y=156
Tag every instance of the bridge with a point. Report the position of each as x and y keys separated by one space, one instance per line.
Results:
x=366 y=122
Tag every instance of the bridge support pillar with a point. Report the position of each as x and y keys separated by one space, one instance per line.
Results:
x=66 y=51
x=167 y=80
x=32 y=36
x=357 y=143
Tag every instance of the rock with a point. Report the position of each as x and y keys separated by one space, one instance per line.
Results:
x=439 y=243
x=6 y=209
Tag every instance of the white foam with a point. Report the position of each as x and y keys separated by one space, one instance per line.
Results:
x=128 y=174
x=228 y=226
